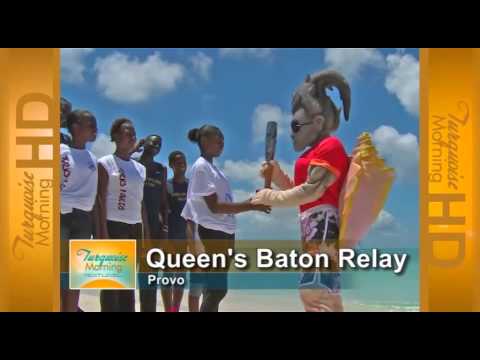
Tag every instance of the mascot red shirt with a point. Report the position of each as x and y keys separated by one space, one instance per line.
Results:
x=330 y=154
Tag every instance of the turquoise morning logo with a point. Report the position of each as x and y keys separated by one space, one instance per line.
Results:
x=87 y=256
x=102 y=262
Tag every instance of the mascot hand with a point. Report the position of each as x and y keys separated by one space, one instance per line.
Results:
x=266 y=167
x=275 y=198
x=279 y=178
x=261 y=197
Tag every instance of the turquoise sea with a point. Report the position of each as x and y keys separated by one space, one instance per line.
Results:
x=363 y=290
x=383 y=290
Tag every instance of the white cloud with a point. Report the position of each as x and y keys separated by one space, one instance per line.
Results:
x=402 y=71
x=102 y=146
x=385 y=222
x=388 y=232
x=261 y=53
x=351 y=62
x=202 y=64
x=131 y=80
x=248 y=172
x=72 y=64
x=403 y=80
x=243 y=171
x=262 y=115
x=400 y=151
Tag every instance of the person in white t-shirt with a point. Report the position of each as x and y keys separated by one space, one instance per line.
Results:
x=210 y=205
x=78 y=189
x=120 y=208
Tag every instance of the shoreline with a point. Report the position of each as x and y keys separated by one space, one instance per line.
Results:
x=255 y=301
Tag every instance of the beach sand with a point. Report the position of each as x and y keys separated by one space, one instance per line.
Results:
x=253 y=301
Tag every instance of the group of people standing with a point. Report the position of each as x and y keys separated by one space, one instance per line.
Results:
x=117 y=197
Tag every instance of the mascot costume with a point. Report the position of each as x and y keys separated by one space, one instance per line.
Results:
x=339 y=196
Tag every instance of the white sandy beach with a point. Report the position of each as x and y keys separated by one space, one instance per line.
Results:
x=252 y=301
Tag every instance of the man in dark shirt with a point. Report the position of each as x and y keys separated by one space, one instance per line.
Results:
x=156 y=205
x=177 y=188
x=177 y=196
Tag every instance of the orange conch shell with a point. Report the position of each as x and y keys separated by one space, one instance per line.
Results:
x=364 y=193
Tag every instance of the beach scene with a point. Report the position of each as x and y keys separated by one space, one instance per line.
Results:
x=169 y=92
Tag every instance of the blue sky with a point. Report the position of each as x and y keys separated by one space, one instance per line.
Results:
x=169 y=91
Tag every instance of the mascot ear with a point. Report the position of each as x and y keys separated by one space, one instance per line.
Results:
x=327 y=80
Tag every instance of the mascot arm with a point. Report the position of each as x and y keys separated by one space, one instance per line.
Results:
x=319 y=179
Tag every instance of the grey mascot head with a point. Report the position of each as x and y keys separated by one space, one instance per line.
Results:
x=314 y=113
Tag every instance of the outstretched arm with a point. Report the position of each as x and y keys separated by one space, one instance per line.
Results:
x=319 y=179
x=217 y=207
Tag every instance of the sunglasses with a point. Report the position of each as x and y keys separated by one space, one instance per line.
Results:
x=297 y=125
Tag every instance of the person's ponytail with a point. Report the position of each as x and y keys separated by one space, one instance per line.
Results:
x=194 y=135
